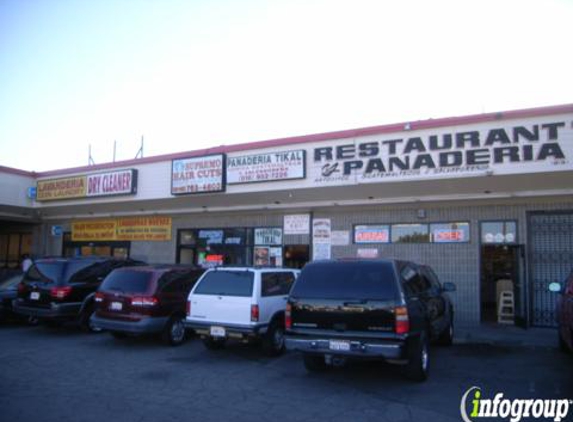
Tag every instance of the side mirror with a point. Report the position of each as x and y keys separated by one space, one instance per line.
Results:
x=449 y=287
x=555 y=287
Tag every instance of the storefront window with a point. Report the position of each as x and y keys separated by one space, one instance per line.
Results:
x=449 y=232
x=496 y=232
x=410 y=233
x=268 y=249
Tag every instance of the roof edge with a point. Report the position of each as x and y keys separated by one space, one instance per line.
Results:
x=349 y=133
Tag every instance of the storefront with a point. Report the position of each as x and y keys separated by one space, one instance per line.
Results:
x=486 y=200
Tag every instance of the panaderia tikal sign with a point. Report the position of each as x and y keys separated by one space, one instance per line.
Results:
x=284 y=165
x=505 y=150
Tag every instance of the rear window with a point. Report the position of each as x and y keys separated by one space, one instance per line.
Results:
x=55 y=271
x=347 y=280
x=127 y=282
x=226 y=283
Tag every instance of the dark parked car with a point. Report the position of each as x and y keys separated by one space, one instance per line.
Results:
x=8 y=292
x=564 y=312
x=368 y=309
x=146 y=300
x=55 y=290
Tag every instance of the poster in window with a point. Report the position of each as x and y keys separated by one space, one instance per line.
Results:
x=262 y=256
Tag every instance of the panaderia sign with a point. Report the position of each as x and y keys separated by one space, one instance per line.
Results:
x=285 y=165
x=120 y=182
x=510 y=149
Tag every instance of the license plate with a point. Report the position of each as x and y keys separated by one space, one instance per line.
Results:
x=218 y=331
x=35 y=295
x=116 y=306
x=343 y=346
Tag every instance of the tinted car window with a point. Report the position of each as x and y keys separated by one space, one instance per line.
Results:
x=414 y=282
x=347 y=280
x=127 y=281
x=432 y=277
x=226 y=283
x=276 y=284
x=56 y=271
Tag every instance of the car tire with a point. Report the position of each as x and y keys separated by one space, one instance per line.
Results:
x=213 y=344
x=314 y=363
x=447 y=336
x=118 y=335
x=85 y=320
x=274 y=339
x=418 y=366
x=174 y=331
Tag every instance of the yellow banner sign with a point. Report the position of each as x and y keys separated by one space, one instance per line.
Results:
x=122 y=229
x=144 y=228
x=67 y=188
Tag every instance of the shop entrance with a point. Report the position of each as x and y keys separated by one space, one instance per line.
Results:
x=296 y=256
x=501 y=284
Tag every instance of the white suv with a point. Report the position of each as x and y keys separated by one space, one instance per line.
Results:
x=244 y=303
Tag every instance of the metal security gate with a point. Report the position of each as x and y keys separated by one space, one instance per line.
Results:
x=551 y=259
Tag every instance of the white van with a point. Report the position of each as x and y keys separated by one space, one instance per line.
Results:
x=243 y=303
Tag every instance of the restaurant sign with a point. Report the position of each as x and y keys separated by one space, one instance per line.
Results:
x=120 y=182
x=285 y=165
x=509 y=149
x=198 y=175
x=151 y=228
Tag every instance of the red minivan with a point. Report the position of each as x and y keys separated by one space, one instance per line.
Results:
x=145 y=300
x=565 y=312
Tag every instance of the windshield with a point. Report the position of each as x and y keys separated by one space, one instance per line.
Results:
x=347 y=280
x=55 y=271
x=127 y=281
x=226 y=283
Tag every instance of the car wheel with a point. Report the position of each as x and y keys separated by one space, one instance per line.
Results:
x=118 y=335
x=86 y=323
x=314 y=363
x=174 y=331
x=274 y=340
x=213 y=344
x=418 y=365
x=447 y=336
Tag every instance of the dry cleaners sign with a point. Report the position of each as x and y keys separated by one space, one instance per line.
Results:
x=513 y=149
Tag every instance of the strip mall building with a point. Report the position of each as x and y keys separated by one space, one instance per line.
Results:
x=479 y=198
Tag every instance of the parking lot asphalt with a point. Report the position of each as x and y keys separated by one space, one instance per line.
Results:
x=63 y=374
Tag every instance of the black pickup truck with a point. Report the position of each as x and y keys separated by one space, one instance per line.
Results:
x=368 y=309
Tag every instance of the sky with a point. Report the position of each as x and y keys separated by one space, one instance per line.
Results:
x=194 y=74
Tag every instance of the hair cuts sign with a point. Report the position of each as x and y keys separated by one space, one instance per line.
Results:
x=285 y=165
x=125 y=228
x=120 y=182
x=538 y=146
x=198 y=175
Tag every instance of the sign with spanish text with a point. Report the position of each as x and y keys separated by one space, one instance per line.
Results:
x=297 y=224
x=64 y=188
x=148 y=228
x=151 y=228
x=285 y=165
x=543 y=144
x=269 y=236
x=371 y=234
x=198 y=175
x=119 y=182
x=321 y=238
